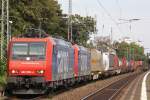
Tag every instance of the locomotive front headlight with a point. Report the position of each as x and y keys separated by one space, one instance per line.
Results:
x=14 y=71
x=40 y=71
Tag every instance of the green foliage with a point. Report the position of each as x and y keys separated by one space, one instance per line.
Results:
x=2 y=68
x=46 y=14
x=30 y=13
x=2 y=73
x=2 y=80
x=82 y=27
x=130 y=51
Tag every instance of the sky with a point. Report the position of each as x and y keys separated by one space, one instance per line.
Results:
x=109 y=13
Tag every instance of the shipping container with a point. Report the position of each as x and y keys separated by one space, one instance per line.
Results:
x=111 y=61
x=96 y=61
x=106 y=61
x=116 y=61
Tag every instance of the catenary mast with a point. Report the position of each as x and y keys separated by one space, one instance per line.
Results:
x=70 y=21
x=4 y=28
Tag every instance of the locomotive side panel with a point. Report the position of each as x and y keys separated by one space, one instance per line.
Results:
x=63 y=61
x=49 y=54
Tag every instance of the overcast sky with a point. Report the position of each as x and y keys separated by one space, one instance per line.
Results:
x=117 y=9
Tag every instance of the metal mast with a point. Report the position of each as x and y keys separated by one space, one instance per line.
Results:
x=4 y=27
x=70 y=21
x=111 y=35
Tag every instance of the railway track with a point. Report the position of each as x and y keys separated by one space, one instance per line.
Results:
x=43 y=97
x=111 y=91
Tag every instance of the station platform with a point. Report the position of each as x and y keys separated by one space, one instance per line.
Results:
x=138 y=89
x=146 y=87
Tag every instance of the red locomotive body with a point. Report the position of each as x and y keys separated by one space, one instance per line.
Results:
x=30 y=62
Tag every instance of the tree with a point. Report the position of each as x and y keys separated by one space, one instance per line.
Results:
x=82 y=28
x=33 y=13
x=46 y=14
x=130 y=51
x=103 y=43
x=2 y=68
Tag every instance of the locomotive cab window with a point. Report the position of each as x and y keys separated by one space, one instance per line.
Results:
x=20 y=49
x=37 y=49
x=29 y=51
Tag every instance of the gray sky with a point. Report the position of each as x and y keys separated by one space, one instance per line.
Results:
x=118 y=9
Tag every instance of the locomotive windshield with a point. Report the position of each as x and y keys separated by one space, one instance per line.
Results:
x=28 y=51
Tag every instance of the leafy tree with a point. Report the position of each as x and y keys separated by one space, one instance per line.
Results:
x=103 y=43
x=82 y=28
x=130 y=51
x=33 y=13
x=2 y=67
x=46 y=14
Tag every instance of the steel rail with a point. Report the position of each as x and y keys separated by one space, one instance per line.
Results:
x=111 y=87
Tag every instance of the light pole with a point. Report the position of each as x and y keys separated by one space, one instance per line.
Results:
x=129 y=21
x=146 y=50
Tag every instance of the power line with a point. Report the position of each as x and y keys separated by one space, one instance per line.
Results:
x=120 y=10
x=109 y=15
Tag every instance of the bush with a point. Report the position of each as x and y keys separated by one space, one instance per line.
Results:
x=2 y=68
x=2 y=81
x=2 y=73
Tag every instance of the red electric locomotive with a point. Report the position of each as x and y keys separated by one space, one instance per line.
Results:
x=36 y=65
x=30 y=65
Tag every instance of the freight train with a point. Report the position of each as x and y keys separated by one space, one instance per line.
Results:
x=36 y=65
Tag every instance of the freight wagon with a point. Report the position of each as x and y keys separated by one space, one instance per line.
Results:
x=97 y=68
x=104 y=64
